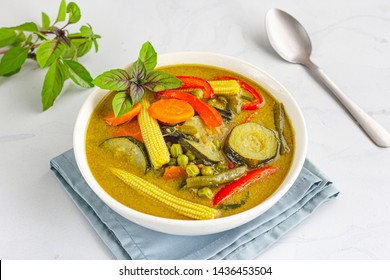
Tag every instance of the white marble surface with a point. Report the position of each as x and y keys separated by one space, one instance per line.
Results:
x=351 y=42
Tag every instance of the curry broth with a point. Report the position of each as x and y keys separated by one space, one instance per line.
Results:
x=101 y=160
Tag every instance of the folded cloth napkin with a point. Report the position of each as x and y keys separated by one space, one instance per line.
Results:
x=128 y=240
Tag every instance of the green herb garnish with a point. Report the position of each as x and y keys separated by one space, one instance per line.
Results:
x=52 y=47
x=131 y=86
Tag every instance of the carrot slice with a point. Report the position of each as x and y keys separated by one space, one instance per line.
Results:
x=171 y=110
x=175 y=172
x=206 y=112
x=112 y=120
x=130 y=128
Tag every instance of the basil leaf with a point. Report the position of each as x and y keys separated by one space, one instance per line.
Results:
x=84 y=48
x=27 y=26
x=74 y=12
x=13 y=60
x=61 y=12
x=148 y=56
x=121 y=104
x=7 y=37
x=78 y=73
x=49 y=51
x=28 y=40
x=138 y=72
x=160 y=80
x=82 y=45
x=137 y=92
x=53 y=84
x=86 y=31
x=95 y=44
x=117 y=79
x=69 y=52
x=45 y=21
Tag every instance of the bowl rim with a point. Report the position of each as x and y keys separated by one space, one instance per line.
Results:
x=198 y=227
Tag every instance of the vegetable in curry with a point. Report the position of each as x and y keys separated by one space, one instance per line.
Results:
x=215 y=146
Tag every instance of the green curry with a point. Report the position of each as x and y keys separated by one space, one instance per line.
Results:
x=204 y=158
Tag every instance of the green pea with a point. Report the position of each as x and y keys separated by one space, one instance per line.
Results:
x=220 y=167
x=190 y=156
x=207 y=192
x=182 y=160
x=176 y=150
x=198 y=93
x=192 y=170
x=217 y=144
x=207 y=170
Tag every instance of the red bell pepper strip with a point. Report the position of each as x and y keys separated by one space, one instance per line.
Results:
x=190 y=82
x=206 y=112
x=257 y=98
x=241 y=183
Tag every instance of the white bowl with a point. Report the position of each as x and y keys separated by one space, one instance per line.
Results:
x=199 y=227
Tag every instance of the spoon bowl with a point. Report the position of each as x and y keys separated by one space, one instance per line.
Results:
x=282 y=27
x=291 y=41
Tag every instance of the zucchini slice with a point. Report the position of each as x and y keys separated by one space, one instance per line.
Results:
x=252 y=144
x=207 y=154
x=131 y=148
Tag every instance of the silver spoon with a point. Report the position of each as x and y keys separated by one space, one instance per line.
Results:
x=290 y=40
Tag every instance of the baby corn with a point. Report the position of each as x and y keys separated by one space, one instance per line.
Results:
x=153 y=138
x=179 y=205
x=225 y=87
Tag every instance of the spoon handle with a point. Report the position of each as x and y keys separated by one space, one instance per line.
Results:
x=373 y=129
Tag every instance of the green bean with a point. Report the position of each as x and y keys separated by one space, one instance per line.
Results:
x=214 y=180
x=279 y=119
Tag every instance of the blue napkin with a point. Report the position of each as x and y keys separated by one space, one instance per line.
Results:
x=127 y=240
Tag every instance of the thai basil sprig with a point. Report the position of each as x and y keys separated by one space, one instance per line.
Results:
x=131 y=86
x=53 y=47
